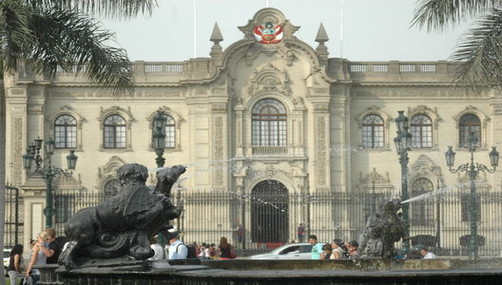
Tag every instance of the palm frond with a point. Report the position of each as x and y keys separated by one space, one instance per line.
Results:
x=480 y=54
x=69 y=39
x=105 y=8
x=438 y=14
x=15 y=37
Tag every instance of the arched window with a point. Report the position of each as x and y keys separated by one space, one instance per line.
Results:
x=422 y=211
x=421 y=131
x=65 y=132
x=114 y=132
x=269 y=123
x=469 y=124
x=373 y=128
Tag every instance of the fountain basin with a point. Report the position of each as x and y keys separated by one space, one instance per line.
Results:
x=437 y=271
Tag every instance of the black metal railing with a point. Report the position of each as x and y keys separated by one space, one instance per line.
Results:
x=262 y=222
x=14 y=218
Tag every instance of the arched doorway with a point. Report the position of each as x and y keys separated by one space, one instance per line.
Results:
x=269 y=212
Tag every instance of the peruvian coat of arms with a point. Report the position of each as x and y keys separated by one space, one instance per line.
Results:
x=268 y=33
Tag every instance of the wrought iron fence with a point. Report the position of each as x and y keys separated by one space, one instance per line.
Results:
x=264 y=221
x=14 y=217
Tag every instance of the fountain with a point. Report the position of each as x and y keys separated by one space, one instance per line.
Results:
x=108 y=246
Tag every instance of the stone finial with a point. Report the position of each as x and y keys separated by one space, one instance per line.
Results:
x=216 y=36
x=321 y=36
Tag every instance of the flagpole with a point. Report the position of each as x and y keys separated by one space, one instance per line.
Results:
x=194 y=28
x=341 y=28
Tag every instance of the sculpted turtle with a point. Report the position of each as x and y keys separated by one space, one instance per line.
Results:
x=122 y=225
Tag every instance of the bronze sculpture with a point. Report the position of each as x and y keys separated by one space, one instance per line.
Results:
x=122 y=225
x=383 y=229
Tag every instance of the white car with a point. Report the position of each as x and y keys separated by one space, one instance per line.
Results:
x=288 y=251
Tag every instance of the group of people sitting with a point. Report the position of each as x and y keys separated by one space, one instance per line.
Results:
x=337 y=249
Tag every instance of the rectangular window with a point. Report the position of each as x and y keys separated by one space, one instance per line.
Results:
x=170 y=137
x=65 y=137
x=373 y=137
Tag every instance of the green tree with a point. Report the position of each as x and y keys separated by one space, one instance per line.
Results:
x=48 y=35
x=479 y=53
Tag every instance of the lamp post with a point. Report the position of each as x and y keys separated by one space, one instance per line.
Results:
x=159 y=137
x=44 y=167
x=472 y=169
x=159 y=143
x=403 y=145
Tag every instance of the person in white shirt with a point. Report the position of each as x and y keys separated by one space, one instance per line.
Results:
x=424 y=251
x=177 y=250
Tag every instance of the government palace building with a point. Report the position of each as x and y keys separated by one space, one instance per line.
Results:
x=280 y=141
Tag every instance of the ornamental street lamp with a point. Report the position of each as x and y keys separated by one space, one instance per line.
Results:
x=472 y=169
x=403 y=145
x=44 y=167
x=159 y=136
x=159 y=143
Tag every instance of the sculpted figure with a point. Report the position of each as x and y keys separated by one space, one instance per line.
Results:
x=122 y=225
x=383 y=229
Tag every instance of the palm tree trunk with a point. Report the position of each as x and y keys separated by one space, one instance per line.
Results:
x=2 y=171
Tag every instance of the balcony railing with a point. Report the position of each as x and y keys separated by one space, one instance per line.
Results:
x=270 y=150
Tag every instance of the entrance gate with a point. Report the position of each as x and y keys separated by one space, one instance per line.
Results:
x=269 y=212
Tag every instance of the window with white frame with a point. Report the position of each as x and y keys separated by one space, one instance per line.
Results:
x=114 y=129
x=469 y=123
x=170 y=132
x=373 y=131
x=421 y=131
x=65 y=132
x=269 y=123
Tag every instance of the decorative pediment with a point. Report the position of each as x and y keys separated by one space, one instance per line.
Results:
x=269 y=80
x=373 y=177
x=67 y=109
x=168 y=111
x=126 y=113
x=69 y=182
x=424 y=167
x=108 y=172
x=424 y=110
x=111 y=167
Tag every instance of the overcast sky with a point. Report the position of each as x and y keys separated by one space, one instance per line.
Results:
x=371 y=30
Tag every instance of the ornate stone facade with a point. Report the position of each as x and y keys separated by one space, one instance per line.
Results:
x=216 y=133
